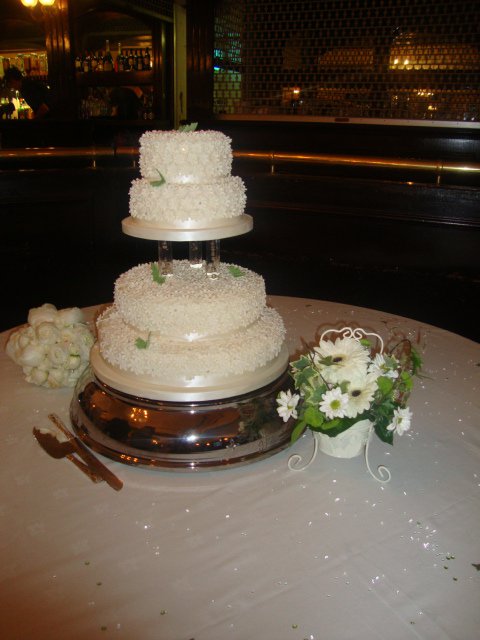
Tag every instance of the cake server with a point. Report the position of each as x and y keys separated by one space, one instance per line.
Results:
x=85 y=454
x=57 y=450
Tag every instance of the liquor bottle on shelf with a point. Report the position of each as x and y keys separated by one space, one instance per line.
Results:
x=78 y=64
x=131 y=60
x=107 y=58
x=94 y=61
x=100 y=62
x=147 y=60
x=119 y=64
x=86 y=66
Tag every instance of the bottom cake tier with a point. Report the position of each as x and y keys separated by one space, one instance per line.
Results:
x=180 y=436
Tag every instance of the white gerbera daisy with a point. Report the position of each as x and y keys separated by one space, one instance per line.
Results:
x=348 y=356
x=361 y=390
x=287 y=405
x=333 y=403
x=382 y=366
x=401 y=421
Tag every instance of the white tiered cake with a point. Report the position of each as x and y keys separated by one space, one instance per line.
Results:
x=186 y=186
x=198 y=187
x=189 y=331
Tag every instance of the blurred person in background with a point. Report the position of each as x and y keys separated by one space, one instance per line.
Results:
x=35 y=93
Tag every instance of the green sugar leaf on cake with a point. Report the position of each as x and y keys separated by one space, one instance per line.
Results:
x=158 y=183
x=188 y=127
x=140 y=343
x=235 y=271
x=156 y=275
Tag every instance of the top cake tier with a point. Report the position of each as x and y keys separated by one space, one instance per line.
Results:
x=184 y=157
x=186 y=191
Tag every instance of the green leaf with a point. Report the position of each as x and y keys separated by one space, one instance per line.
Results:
x=326 y=362
x=156 y=275
x=407 y=380
x=301 y=363
x=338 y=425
x=158 y=183
x=313 y=417
x=385 y=385
x=331 y=424
x=303 y=376
x=382 y=432
x=416 y=361
x=297 y=431
x=235 y=271
x=140 y=343
x=188 y=127
x=315 y=395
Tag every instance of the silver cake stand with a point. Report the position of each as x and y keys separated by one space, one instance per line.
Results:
x=190 y=428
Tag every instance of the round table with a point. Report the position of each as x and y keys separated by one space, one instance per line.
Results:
x=258 y=551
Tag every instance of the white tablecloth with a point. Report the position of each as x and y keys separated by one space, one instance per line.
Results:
x=257 y=551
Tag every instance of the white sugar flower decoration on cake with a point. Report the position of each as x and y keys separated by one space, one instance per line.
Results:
x=401 y=421
x=340 y=360
x=287 y=405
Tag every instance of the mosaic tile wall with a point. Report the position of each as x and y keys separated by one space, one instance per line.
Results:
x=382 y=59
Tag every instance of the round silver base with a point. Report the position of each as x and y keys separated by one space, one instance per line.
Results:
x=180 y=436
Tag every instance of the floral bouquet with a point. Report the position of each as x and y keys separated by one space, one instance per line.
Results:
x=53 y=348
x=347 y=380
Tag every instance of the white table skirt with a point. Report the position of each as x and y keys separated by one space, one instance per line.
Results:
x=259 y=551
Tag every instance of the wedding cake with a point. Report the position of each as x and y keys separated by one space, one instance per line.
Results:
x=190 y=337
x=186 y=179
x=187 y=331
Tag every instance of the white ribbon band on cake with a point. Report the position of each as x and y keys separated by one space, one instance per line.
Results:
x=183 y=389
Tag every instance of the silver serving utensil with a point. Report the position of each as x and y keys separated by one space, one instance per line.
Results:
x=56 y=449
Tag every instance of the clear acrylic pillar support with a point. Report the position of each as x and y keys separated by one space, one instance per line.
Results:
x=195 y=254
x=213 y=257
x=165 y=260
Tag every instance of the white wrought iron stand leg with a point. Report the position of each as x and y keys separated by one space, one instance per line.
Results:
x=384 y=474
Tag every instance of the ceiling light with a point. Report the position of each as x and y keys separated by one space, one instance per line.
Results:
x=33 y=3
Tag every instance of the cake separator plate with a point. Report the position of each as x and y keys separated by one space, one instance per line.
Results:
x=190 y=232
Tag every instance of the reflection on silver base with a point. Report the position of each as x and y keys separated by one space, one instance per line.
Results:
x=180 y=436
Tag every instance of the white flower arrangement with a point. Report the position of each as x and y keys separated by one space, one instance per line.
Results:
x=53 y=348
x=343 y=381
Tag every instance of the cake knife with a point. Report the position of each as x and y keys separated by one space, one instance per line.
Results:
x=57 y=449
x=94 y=463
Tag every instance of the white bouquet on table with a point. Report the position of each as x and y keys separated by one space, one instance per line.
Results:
x=53 y=348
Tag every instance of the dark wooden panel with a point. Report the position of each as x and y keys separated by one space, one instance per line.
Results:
x=407 y=249
x=454 y=143
x=61 y=238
